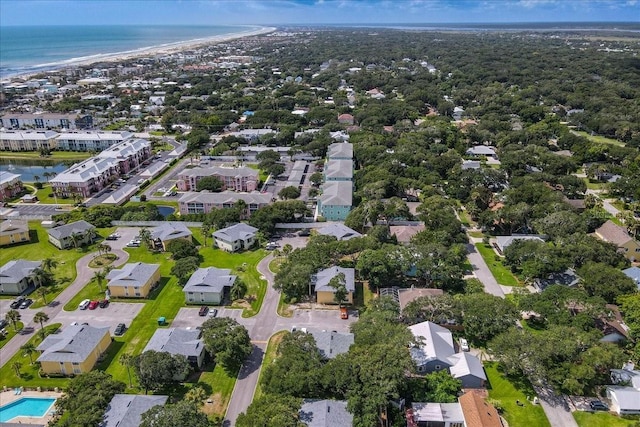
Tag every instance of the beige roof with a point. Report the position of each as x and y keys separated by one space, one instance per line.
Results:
x=404 y=233
x=611 y=232
x=477 y=411
x=405 y=296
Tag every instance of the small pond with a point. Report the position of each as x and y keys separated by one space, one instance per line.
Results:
x=165 y=211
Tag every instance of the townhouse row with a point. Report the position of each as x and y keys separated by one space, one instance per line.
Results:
x=66 y=141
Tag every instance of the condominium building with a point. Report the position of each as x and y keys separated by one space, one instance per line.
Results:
x=46 y=121
x=10 y=185
x=205 y=202
x=92 y=175
x=27 y=141
x=90 y=141
x=234 y=179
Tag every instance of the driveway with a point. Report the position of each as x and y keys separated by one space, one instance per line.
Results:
x=116 y=312
x=482 y=272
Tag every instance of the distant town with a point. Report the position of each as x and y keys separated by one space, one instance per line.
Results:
x=326 y=227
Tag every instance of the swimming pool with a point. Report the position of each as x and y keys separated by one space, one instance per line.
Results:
x=26 y=407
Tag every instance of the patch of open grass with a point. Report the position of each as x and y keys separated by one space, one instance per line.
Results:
x=598 y=138
x=45 y=196
x=55 y=155
x=222 y=385
x=11 y=332
x=601 y=419
x=269 y=357
x=476 y=234
x=283 y=307
x=500 y=272
x=507 y=391
x=29 y=373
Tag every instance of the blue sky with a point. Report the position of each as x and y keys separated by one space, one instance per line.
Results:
x=228 y=12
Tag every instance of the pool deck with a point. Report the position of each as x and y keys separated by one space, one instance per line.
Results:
x=9 y=396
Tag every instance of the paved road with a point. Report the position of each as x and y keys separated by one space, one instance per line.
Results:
x=54 y=309
x=481 y=270
x=606 y=203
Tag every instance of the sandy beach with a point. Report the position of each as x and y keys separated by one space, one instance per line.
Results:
x=164 y=49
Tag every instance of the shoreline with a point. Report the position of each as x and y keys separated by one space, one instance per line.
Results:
x=164 y=49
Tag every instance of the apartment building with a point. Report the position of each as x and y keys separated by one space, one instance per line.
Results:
x=234 y=179
x=205 y=202
x=27 y=141
x=10 y=185
x=90 y=141
x=46 y=121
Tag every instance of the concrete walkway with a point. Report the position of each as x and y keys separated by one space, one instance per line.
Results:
x=481 y=270
x=84 y=275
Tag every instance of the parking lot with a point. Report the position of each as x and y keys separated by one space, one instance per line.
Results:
x=188 y=317
x=116 y=312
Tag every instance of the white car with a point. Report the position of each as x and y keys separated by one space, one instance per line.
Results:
x=464 y=345
x=84 y=304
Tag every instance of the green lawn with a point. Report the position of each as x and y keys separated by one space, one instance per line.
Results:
x=11 y=332
x=30 y=376
x=507 y=391
x=221 y=385
x=500 y=272
x=269 y=357
x=599 y=139
x=601 y=419
x=45 y=196
x=283 y=307
x=38 y=249
x=55 y=155
x=477 y=234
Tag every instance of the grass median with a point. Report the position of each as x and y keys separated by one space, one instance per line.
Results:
x=502 y=274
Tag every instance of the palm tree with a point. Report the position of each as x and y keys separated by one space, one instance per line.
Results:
x=99 y=276
x=16 y=367
x=75 y=238
x=127 y=359
x=29 y=348
x=206 y=229
x=36 y=178
x=145 y=237
x=13 y=316
x=41 y=317
x=49 y=264
x=90 y=234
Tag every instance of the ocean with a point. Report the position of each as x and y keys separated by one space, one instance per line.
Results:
x=29 y=49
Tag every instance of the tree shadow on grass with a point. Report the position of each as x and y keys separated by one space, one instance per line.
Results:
x=110 y=355
x=156 y=291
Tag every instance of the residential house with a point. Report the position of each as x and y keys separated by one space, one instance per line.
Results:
x=125 y=410
x=340 y=151
x=45 y=121
x=503 y=242
x=325 y=413
x=435 y=415
x=345 y=119
x=481 y=150
x=625 y=395
x=168 y=231
x=205 y=202
x=14 y=231
x=133 y=280
x=477 y=411
x=567 y=277
x=94 y=174
x=28 y=141
x=10 y=186
x=184 y=341
x=468 y=369
x=435 y=348
x=75 y=350
x=235 y=238
x=208 y=285
x=234 y=179
x=332 y=343
x=338 y=170
x=334 y=204
x=613 y=233
x=634 y=274
x=90 y=141
x=404 y=296
x=339 y=231
x=470 y=164
x=404 y=233
x=72 y=235
x=325 y=292
x=16 y=276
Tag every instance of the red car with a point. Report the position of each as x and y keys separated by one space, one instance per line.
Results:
x=93 y=304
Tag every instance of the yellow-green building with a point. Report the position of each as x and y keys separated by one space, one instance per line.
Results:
x=133 y=280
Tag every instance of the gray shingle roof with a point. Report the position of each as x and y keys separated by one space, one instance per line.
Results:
x=176 y=341
x=169 y=231
x=437 y=343
x=628 y=397
x=125 y=410
x=503 y=242
x=340 y=150
x=11 y=226
x=221 y=171
x=325 y=413
x=133 y=274
x=210 y=279
x=235 y=232
x=339 y=169
x=67 y=230
x=463 y=364
x=438 y=412
x=481 y=150
x=16 y=270
x=331 y=343
x=224 y=197
x=337 y=193
x=323 y=277
x=339 y=231
x=634 y=274
x=73 y=344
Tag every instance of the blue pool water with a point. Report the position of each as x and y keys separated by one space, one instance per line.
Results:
x=26 y=407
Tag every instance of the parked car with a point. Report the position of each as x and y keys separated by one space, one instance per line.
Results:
x=464 y=345
x=305 y=232
x=344 y=313
x=84 y=304
x=16 y=303
x=104 y=303
x=26 y=303
x=113 y=236
x=120 y=329
x=203 y=310
x=133 y=244
x=93 y=304
x=213 y=312
x=597 y=405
